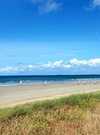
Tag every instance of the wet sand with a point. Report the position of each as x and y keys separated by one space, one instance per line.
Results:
x=14 y=95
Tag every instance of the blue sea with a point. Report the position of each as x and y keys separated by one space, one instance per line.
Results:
x=28 y=80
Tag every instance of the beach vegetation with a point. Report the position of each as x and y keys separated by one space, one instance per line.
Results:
x=73 y=115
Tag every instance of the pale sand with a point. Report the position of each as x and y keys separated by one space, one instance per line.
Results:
x=14 y=95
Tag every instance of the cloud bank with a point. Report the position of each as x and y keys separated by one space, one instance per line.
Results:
x=47 y=6
x=57 y=65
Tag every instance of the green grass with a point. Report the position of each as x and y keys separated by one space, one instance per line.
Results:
x=73 y=115
x=83 y=101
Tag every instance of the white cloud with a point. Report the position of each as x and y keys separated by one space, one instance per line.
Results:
x=90 y=62
x=47 y=6
x=18 y=68
x=71 y=64
x=96 y=3
x=56 y=64
x=78 y=62
x=92 y=5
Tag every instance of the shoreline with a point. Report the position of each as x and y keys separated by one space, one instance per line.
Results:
x=46 y=82
x=16 y=95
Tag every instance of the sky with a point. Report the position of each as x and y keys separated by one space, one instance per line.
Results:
x=49 y=37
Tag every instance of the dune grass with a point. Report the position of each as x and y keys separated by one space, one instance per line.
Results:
x=73 y=115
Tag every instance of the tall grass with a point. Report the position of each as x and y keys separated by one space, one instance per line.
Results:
x=74 y=115
x=83 y=101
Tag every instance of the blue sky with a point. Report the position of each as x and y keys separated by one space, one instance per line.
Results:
x=49 y=36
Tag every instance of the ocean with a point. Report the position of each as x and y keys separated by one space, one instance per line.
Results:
x=28 y=80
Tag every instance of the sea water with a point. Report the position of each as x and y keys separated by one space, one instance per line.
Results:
x=29 y=80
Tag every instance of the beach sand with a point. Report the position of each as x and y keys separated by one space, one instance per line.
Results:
x=14 y=95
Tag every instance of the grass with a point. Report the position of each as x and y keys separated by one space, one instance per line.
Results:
x=73 y=115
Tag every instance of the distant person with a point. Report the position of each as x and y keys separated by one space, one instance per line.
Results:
x=21 y=82
x=45 y=82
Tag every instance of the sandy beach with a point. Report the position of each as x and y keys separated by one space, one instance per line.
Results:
x=14 y=95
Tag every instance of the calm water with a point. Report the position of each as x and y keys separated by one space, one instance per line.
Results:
x=22 y=80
